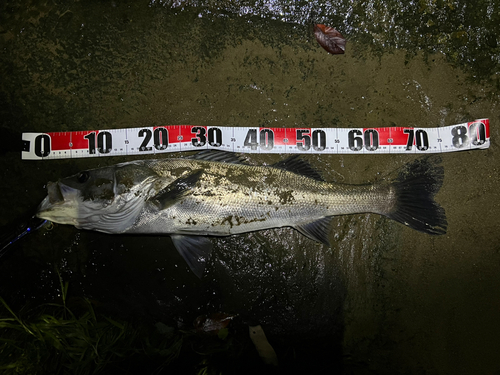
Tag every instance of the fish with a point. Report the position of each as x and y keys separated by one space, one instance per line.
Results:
x=219 y=194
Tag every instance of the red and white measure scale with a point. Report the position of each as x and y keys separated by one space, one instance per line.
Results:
x=300 y=140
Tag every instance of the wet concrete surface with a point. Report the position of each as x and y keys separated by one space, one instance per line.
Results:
x=384 y=299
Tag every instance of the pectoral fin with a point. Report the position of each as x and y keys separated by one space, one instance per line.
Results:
x=177 y=189
x=317 y=230
x=195 y=250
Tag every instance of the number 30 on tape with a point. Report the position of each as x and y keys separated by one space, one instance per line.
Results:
x=174 y=138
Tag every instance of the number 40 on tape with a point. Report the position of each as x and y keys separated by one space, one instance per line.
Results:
x=301 y=140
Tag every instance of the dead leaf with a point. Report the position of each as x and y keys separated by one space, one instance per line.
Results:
x=330 y=39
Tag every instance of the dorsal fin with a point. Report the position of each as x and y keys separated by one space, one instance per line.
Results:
x=218 y=156
x=299 y=166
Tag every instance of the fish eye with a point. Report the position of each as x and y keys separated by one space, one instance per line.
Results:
x=83 y=176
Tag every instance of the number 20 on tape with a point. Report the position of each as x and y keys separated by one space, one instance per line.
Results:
x=175 y=138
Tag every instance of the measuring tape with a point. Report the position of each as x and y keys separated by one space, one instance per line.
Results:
x=175 y=138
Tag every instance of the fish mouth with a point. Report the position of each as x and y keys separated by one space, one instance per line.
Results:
x=54 y=192
x=59 y=204
x=58 y=193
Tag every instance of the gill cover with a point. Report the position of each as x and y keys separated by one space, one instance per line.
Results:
x=106 y=199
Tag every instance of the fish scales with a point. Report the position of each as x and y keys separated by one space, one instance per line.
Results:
x=230 y=199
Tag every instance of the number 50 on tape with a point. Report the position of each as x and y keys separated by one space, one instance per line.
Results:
x=174 y=138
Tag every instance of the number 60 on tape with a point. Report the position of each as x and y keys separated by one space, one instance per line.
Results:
x=175 y=138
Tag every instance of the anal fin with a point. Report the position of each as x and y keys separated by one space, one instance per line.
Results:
x=317 y=230
x=195 y=250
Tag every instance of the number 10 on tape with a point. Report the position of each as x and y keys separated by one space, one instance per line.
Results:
x=174 y=138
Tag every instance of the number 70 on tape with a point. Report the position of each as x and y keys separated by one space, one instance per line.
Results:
x=175 y=138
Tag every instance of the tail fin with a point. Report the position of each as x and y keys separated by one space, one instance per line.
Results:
x=415 y=188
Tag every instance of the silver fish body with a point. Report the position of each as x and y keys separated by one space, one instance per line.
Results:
x=214 y=194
